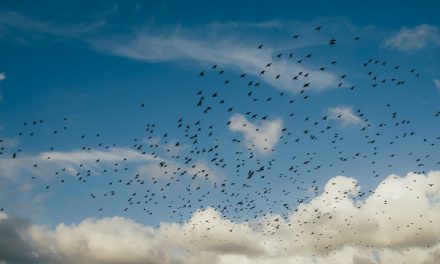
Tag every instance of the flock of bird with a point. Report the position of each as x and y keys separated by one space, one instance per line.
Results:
x=261 y=183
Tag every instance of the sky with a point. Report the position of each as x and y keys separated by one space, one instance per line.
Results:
x=234 y=132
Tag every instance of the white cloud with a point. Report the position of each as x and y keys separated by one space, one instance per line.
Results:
x=263 y=137
x=437 y=84
x=416 y=38
x=94 y=160
x=9 y=142
x=48 y=162
x=206 y=45
x=3 y=215
x=397 y=223
x=226 y=51
x=345 y=115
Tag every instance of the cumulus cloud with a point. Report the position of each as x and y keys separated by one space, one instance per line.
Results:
x=414 y=38
x=263 y=136
x=397 y=223
x=345 y=115
x=14 y=242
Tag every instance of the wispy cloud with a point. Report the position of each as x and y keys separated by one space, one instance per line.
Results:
x=437 y=84
x=270 y=24
x=33 y=27
x=228 y=51
x=46 y=163
x=216 y=43
x=345 y=115
x=9 y=142
x=263 y=137
x=408 y=39
x=2 y=78
x=395 y=224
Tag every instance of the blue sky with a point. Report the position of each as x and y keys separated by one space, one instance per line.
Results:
x=106 y=77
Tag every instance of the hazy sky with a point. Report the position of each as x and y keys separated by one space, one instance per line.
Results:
x=188 y=132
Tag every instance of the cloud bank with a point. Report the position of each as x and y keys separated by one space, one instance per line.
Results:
x=397 y=223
